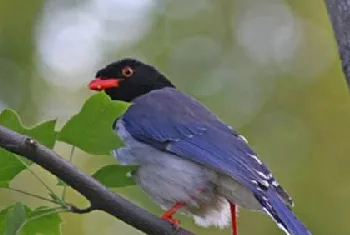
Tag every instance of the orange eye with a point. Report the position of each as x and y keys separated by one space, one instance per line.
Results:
x=127 y=71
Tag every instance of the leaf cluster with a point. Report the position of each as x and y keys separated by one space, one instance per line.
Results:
x=89 y=130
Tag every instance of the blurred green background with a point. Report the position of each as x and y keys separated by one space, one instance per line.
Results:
x=269 y=68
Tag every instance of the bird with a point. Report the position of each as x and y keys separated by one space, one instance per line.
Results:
x=189 y=161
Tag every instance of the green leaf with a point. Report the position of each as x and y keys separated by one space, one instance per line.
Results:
x=42 y=220
x=12 y=218
x=115 y=176
x=44 y=133
x=3 y=220
x=10 y=166
x=19 y=219
x=91 y=129
x=15 y=218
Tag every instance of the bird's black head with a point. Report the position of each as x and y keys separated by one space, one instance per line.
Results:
x=127 y=79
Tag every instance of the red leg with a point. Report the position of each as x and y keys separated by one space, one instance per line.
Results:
x=168 y=215
x=234 y=218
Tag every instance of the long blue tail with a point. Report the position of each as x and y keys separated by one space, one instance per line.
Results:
x=283 y=216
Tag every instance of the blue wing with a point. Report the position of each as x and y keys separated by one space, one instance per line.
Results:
x=171 y=121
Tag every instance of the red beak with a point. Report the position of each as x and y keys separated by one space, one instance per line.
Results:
x=99 y=84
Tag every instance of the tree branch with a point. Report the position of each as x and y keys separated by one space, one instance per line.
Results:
x=99 y=196
x=339 y=14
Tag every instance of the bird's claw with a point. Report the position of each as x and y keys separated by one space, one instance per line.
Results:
x=171 y=220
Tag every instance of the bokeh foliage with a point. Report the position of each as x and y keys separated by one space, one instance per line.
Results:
x=300 y=128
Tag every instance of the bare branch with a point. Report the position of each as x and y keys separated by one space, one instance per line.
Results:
x=99 y=196
x=339 y=14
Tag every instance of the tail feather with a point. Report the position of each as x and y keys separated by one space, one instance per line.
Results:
x=283 y=216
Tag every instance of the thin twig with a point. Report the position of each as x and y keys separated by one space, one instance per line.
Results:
x=33 y=195
x=50 y=208
x=77 y=210
x=40 y=180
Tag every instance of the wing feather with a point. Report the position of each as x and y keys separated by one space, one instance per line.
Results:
x=173 y=122
x=182 y=126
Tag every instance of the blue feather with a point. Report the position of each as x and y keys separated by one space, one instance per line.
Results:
x=171 y=121
x=282 y=215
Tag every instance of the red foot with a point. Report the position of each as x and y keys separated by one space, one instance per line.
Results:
x=168 y=215
x=171 y=220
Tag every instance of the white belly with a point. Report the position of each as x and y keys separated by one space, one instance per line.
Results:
x=168 y=179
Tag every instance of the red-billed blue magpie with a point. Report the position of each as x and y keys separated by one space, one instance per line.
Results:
x=189 y=160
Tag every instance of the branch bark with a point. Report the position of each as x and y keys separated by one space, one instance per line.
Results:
x=339 y=14
x=99 y=196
